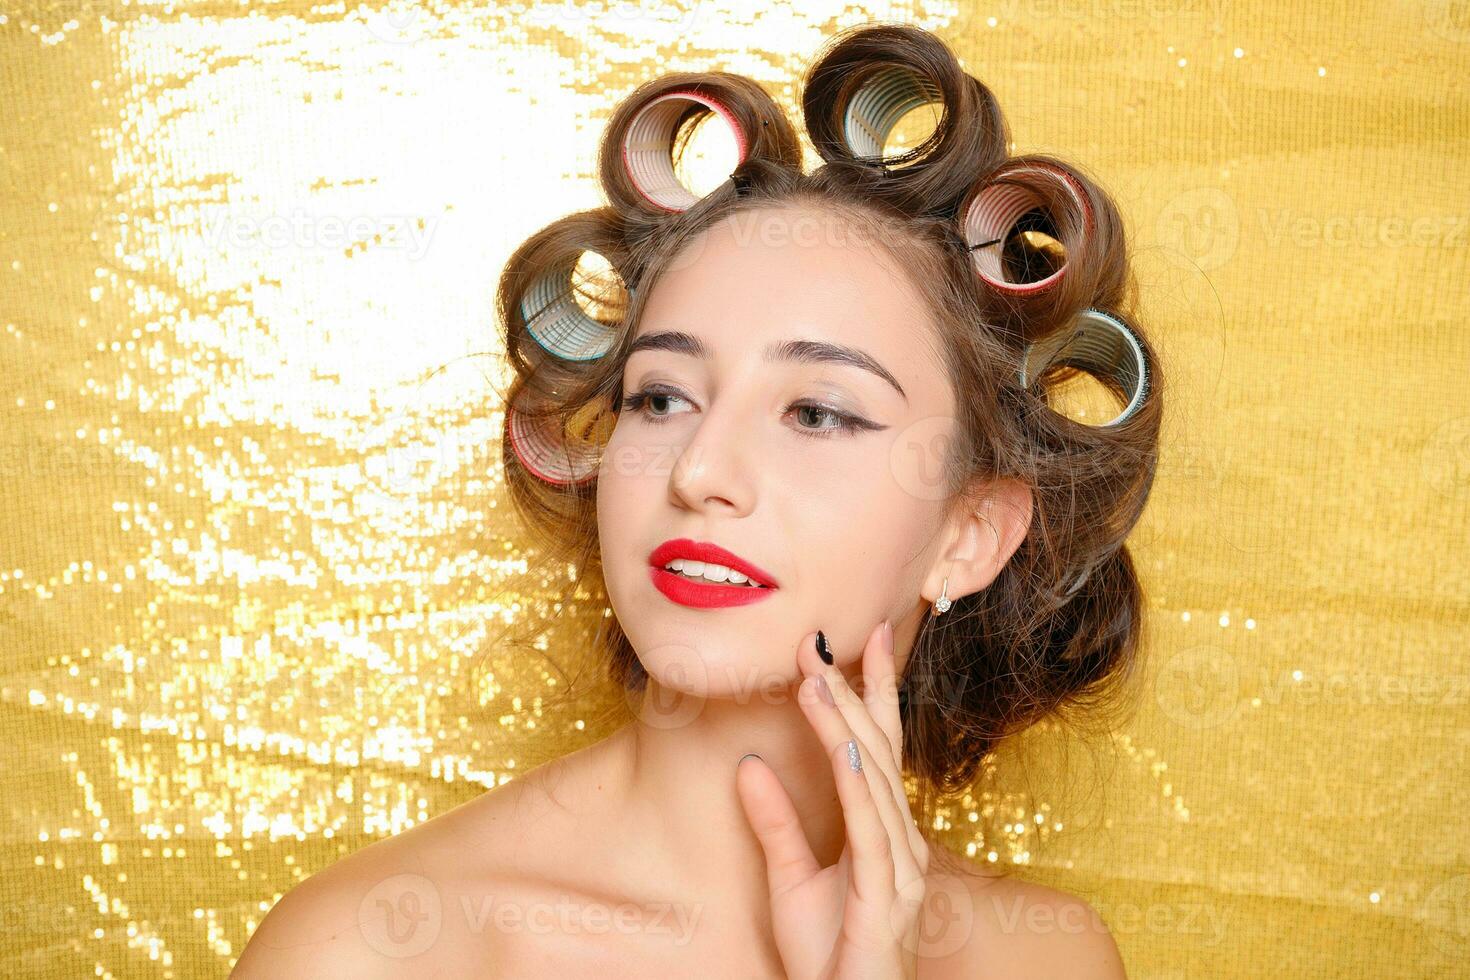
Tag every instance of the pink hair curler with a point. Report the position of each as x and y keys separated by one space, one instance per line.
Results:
x=648 y=146
x=549 y=452
x=996 y=207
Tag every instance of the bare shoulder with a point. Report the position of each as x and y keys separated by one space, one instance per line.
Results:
x=313 y=930
x=389 y=909
x=1005 y=927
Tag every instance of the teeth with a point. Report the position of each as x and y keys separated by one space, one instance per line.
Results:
x=710 y=572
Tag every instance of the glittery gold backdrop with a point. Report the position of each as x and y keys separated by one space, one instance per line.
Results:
x=252 y=536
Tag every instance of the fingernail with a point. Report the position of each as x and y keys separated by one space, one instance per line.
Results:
x=824 y=649
x=854 y=758
x=748 y=755
x=888 y=636
x=824 y=692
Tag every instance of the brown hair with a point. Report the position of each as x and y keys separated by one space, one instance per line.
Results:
x=1061 y=624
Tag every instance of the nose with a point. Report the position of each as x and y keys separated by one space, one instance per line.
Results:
x=713 y=471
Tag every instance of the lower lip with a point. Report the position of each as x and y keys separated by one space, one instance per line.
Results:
x=701 y=595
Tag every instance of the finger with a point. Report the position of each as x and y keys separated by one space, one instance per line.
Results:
x=911 y=851
x=880 y=694
x=871 y=732
x=905 y=841
x=880 y=686
x=882 y=782
x=874 y=669
x=771 y=815
x=872 y=847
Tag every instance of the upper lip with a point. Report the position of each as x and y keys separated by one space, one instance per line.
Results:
x=708 y=551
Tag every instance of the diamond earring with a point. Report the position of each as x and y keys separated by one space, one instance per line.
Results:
x=942 y=604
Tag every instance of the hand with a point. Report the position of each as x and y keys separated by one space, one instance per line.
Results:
x=859 y=918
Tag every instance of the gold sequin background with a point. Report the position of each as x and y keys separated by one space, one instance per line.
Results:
x=253 y=539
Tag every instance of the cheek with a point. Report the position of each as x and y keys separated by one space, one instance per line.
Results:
x=627 y=487
x=633 y=459
x=858 y=532
x=613 y=500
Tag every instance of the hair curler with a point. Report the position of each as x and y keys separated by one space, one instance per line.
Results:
x=1100 y=344
x=648 y=146
x=1001 y=203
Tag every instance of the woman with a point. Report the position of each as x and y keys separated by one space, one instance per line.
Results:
x=843 y=535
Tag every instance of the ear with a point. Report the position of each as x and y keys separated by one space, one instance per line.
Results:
x=980 y=538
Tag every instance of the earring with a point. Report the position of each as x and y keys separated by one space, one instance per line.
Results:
x=942 y=604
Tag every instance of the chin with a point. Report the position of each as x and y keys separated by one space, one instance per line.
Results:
x=715 y=666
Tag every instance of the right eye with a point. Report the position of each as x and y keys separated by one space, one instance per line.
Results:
x=654 y=395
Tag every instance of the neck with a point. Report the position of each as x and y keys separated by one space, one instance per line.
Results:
x=676 y=772
x=679 y=764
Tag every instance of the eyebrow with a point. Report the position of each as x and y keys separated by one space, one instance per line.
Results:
x=800 y=351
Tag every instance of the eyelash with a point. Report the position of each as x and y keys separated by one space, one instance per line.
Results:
x=846 y=424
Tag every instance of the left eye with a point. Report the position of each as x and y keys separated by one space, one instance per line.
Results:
x=843 y=422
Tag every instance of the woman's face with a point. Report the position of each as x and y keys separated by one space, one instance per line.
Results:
x=736 y=442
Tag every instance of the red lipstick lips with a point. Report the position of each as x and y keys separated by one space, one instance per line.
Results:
x=706 y=595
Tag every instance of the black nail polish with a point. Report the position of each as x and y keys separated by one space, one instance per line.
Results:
x=824 y=649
